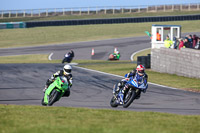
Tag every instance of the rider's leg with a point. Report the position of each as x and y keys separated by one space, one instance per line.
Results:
x=67 y=93
x=138 y=95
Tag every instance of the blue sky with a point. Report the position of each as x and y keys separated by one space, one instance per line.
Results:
x=38 y=4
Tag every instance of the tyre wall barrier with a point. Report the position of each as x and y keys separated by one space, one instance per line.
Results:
x=12 y=25
x=112 y=21
x=144 y=60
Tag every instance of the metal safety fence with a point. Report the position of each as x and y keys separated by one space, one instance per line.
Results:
x=97 y=10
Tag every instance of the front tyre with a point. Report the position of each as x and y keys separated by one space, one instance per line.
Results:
x=129 y=97
x=53 y=97
x=42 y=102
x=113 y=102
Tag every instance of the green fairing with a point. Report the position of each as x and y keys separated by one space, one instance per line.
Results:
x=60 y=87
x=117 y=55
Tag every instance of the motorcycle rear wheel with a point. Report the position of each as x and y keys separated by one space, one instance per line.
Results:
x=129 y=97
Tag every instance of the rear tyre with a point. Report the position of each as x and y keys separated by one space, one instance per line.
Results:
x=53 y=97
x=113 y=102
x=129 y=97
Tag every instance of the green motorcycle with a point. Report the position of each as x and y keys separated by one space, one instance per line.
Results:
x=55 y=91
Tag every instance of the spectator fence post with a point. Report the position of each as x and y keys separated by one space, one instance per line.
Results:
x=9 y=14
x=32 y=13
x=24 y=15
x=39 y=13
x=63 y=11
x=71 y=11
x=80 y=12
x=47 y=12
x=55 y=11
x=189 y=7
x=164 y=8
x=96 y=10
x=2 y=14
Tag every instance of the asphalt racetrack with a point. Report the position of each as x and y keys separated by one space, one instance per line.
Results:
x=22 y=84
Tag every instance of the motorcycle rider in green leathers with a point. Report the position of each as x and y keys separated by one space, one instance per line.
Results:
x=65 y=72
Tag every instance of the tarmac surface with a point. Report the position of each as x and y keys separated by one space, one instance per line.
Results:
x=22 y=84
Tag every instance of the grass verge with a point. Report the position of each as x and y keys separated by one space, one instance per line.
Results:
x=175 y=81
x=32 y=119
x=66 y=34
x=142 y=53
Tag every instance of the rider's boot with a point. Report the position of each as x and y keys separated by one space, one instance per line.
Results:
x=138 y=95
x=67 y=93
x=119 y=86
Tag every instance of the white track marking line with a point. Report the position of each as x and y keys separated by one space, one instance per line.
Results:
x=123 y=77
x=50 y=56
x=137 y=52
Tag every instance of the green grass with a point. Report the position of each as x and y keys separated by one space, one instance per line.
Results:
x=36 y=119
x=70 y=17
x=142 y=53
x=154 y=77
x=37 y=58
x=66 y=34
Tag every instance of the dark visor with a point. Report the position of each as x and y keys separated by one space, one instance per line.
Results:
x=68 y=70
x=141 y=71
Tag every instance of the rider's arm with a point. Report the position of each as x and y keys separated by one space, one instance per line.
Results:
x=70 y=79
x=145 y=78
x=53 y=77
x=131 y=74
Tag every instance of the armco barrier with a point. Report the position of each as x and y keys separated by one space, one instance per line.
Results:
x=112 y=21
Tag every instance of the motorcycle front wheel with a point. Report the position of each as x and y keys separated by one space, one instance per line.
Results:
x=113 y=102
x=42 y=102
x=129 y=97
x=53 y=97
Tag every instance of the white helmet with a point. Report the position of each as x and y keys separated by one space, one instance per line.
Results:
x=67 y=69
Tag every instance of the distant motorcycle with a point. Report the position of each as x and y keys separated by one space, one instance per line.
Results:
x=114 y=56
x=133 y=88
x=55 y=91
x=67 y=59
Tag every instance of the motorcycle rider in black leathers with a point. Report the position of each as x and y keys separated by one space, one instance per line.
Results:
x=68 y=57
x=65 y=72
